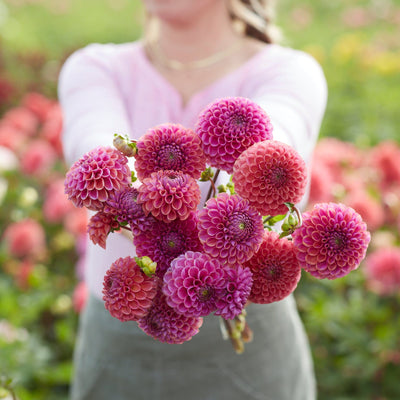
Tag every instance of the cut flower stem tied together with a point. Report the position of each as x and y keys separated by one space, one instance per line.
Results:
x=247 y=243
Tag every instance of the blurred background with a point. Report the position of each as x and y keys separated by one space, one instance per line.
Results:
x=353 y=322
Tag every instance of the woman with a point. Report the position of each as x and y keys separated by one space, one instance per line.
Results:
x=193 y=52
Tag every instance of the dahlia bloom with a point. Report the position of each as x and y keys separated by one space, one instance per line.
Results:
x=229 y=126
x=166 y=241
x=56 y=204
x=237 y=290
x=275 y=269
x=382 y=270
x=97 y=175
x=193 y=284
x=169 y=147
x=270 y=174
x=123 y=204
x=38 y=158
x=332 y=241
x=169 y=195
x=230 y=229
x=164 y=324
x=127 y=291
x=99 y=226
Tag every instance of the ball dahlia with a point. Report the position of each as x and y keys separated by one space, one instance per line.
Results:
x=169 y=147
x=127 y=291
x=237 y=290
x=270 y=174
x=332 y=241
x=275 y=269
x=96 y=176
x=99 y=226
x=169 y=195
x=164 y=324
x=229 y=126
x=193 y=284
x=230 y=229
x=166 y=241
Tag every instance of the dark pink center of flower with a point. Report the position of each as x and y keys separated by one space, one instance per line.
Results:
x=240 y=227
x=172 y=243
x=273 y=272
x=171 y=157
x=277 y=176
x=205 y=293
x=336 y=241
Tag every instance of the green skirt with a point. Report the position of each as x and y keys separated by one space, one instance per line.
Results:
x=117 y=361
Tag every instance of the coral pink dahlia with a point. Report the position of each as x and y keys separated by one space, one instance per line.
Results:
x=193 y=284
x=270 y=174
x=166 y=241
x=229 y=126
x=164 y=324
x=230 y=229
x=95 y=176
x=169 y=147
x=99 y=226
x=169 y=195
x=332 y=241
x=127 y=291
x=275 y=269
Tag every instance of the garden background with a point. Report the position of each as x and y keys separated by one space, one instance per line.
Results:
x=353 y=323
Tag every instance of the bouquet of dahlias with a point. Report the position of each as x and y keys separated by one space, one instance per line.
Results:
x=247 y=243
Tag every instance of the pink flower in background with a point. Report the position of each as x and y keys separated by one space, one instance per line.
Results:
x=56 y=204
x=52 y=127
x=356 y=17
x=22 y=119
x=169 y=147
x=76 y=221
x=25 y=238
x=229 y=229
x=38 y=104
x=301 y=16
x=128 y=292
x=99 y=226
x=11 y=137
x=332 y=241
x=321 y=183
x=38 y=158
x=7 y=89
x=268 y=174
x=229 y=126
x=79 y=297
x=164 y=324
x=169 y=195
x=382 y=270
x=96 y=176
x=23 y=274
x=275 y=269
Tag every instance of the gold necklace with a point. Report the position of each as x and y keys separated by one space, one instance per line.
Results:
x=153 y=50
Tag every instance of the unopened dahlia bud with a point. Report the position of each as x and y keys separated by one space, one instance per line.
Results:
x=147 y=265
x=124 y=145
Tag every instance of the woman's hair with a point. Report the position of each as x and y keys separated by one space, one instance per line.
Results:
x=256 y=18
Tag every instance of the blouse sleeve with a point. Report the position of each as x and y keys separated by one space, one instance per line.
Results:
x=294 y=95
x=91 y=100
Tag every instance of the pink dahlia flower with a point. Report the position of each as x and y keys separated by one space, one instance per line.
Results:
x=169 y=195
x=230 y=229
x=39 y=157
x=332 y=241
x=96 y=176
x=166 y=241
x=164 y=324
x=193 y=284
x=127 y=291
x=229 y=126
x=269 y=174
x=275 y=269
x=99 y=226
x=382 y=270
x=237 y=290
x=169 y=147
x=56 y=204
x=123 y=204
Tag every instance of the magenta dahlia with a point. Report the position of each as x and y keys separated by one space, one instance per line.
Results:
x=164 y=324
x=96 y=176
x=237 y=290
x=169 y=195
x=123 y=204
x=229 y=126
x=275 y=269
x=230 y=229
x=193 y=284
x=169 y=147
x=166 y=241
x=270 y=174
x=127 y=291
x=332 y=241
x=99 y=226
